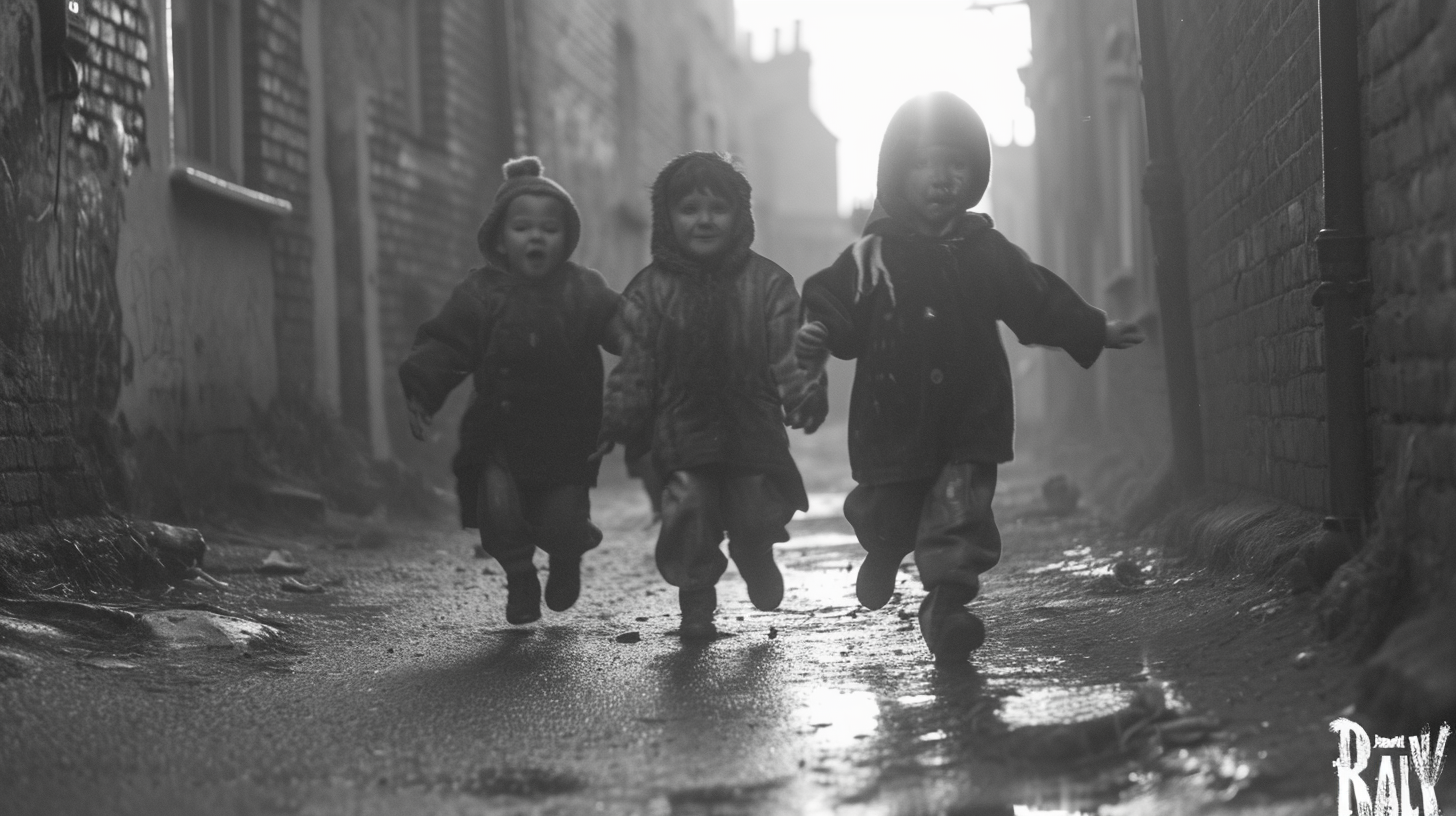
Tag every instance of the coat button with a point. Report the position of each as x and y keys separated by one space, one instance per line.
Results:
x=936 y=377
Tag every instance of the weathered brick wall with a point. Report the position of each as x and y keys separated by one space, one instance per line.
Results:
x=1246 y=104
x=1409 y=108
x=275 y=161
x=60 y=360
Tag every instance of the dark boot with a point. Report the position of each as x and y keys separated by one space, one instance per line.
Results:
x=876 y=580
x=698 y=606
x=563 y=585
x=761 y=574
x=951 y=632
x=523 y=597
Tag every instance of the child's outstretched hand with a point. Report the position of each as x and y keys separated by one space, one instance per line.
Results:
x=601 y=451
x=1122 y=334
x=419 y=418
x=811 y=346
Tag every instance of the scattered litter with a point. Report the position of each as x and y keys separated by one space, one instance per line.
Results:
x=905 y=614
x=1128 y=572
x=294 y=585
x=280 y=562
x=629 y=637
x=640 y=618
x=773 y=633
x=1303 y=660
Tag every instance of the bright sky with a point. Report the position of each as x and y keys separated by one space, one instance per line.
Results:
x=869 y=56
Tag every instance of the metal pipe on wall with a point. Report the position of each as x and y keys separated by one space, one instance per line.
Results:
x=1344 y=281
x=1163 y=194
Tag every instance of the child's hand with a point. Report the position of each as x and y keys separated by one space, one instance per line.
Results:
x=811 y=345
x=1122 y=334
x=419 y=418
x=601 y=451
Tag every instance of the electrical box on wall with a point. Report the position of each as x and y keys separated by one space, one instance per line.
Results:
x=62 y=44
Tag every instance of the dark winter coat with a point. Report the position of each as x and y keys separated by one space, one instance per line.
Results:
x=532 y=346
x=932 y=385
x=707 y=365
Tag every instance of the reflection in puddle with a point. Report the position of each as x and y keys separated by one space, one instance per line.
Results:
x=809 y=540
x=840 y=715
x=823 y=505
x=1080 y=561
x=1058 y=705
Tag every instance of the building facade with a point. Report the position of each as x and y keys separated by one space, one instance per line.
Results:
x=221 y=206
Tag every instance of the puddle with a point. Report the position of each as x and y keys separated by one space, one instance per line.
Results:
x=1062 y=705
x=823 y=505
x=1080 y=561
x=812 y=540
x=840 y=716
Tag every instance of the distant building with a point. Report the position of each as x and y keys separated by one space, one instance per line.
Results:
x=792 y=161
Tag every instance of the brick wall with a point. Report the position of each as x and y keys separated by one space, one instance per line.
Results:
x=1246 y=105
x=60 y=356
x=275 y=161
x=1409 y=108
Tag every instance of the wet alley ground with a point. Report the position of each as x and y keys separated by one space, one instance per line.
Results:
x=399 y=689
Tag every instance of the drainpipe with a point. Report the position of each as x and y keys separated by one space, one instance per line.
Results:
x=1163 y=195
x=1344 y=282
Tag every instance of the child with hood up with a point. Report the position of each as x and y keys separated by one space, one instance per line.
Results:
x=916 y=301
x=528 y=325
x=706 y=374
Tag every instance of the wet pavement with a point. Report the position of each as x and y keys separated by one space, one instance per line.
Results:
x=1113 y=681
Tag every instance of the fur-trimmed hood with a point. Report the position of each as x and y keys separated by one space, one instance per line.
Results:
x=665 y=250
x=939 y=117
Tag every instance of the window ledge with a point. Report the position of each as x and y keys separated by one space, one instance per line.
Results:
x=194 y=179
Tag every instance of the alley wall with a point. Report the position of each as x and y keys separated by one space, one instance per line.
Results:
x=1247 y=112
x=1409 y=108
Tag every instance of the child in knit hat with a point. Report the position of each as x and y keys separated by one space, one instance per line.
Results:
x=706 y=376
x=528 y=325
x=916 y=301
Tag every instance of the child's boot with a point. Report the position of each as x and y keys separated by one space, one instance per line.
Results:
x=698 y=606
x=563 y=585
x=876 y=580
x=951 y=632
x=523 y=597
x=761 y=574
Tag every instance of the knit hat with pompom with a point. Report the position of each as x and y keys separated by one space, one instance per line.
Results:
x=524 y=177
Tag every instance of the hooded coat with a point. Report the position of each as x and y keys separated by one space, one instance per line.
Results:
x=707 y=367
x=932 y=385
x=531 y=345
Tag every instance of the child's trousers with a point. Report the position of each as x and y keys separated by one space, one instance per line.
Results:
x=517 y=518
x=700 y=505
x=945 y=521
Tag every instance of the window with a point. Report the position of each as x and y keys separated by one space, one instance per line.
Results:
x=207 y=90
x=627 y=101
x=424 y=70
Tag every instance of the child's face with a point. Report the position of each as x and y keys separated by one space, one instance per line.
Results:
x=533 y=235
x=702 y=223
x=936 y=185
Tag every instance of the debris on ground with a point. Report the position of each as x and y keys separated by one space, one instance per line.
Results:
x=629 y=637
x=1128 y=572
x=291 y=584
x=194 y=627
x=1186 y=731
x=1093 y=739
x=280 y=562
x=1304 y=660
x=1060 y=495
x=773 y=632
